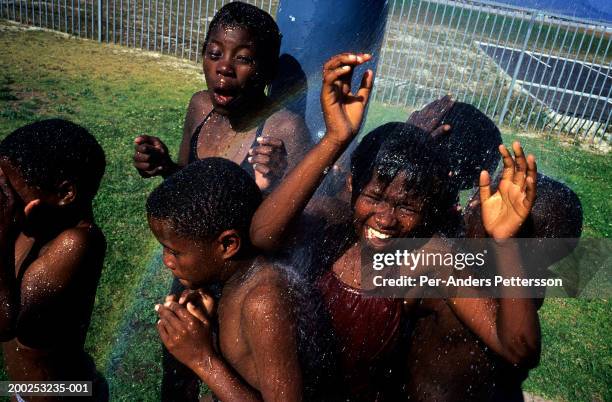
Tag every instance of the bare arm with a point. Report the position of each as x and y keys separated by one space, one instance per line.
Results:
x=151 y=155
x=343 y=112
x=46 y=280
x=186 y=332
x=270 y=330
x=508 y=325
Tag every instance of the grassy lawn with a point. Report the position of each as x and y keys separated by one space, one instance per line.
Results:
x=118 y=94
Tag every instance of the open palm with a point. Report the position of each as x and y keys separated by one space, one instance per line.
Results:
x=504 y=212
x=342 y=109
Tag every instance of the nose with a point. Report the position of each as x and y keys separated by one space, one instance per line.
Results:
x=385 y=215
x=168 y=262
x=225 y=68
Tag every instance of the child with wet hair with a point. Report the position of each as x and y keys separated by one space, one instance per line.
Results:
x=201 y=217
x=469 y=369
x=234 y=118
x=401 y=188
x=51 y=250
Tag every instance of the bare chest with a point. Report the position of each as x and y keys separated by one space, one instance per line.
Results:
x=218 y=139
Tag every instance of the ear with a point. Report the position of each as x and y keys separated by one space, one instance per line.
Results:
x=229 y=243
x=30 y=207
x=67 y=193
x=349 y=183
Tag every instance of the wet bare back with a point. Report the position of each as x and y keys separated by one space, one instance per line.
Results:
x=57 y=282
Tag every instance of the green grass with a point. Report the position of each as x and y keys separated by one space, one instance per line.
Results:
x=118 y=94
x=576 y=360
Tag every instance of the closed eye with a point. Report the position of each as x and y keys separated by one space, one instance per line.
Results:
x=171 y=251
x=408 y=210
x=371 y=197
x=246 y=59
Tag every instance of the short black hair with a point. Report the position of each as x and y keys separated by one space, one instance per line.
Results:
x=395 y=147
x=258 y=23
x=472 y=145
x=48 y=152
x=206 y=198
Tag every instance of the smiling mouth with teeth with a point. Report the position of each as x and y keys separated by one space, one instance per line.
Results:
x=372 y=233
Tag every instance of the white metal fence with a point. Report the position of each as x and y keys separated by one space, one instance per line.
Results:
x=524 y=68
x=175 y=27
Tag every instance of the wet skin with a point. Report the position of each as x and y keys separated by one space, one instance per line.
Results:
x=236 y=97
x=56 y=265
x=183 y=256
x=256 y=357
x=382 y=212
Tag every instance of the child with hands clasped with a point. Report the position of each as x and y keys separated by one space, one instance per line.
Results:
x=201 y=216
x=51 y=251
x=400 y=189
x=234 y=118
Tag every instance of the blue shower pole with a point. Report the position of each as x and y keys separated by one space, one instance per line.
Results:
x=313 y=31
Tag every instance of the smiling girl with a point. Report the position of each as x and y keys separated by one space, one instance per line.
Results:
x=400 y=188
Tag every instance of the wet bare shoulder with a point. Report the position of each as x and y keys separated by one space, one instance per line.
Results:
x=267 y=290
x=70 y=252
x=291 y=129
x=199 y=105
x=286 y=123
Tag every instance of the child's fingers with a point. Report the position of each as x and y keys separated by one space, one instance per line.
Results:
x=146 y=149
x=179 y=311
x=197 y=313
x=263 y=169
x=331 y=76
x=208 y=302
x=530 y=193
x=442 y=130
x=271 y=141
x=520 y=173
x=156 y=142
x=163 y=331
x=186 y=295
x=263 y=159
x=366 y=86
x=143 y=139
x=168 y=315
x=532 y=168
x=141 y=157
x=170 y=298
x=143 y=167
x=508 y=171
x=485 y=186
x=346 y=58
x=263 y=150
